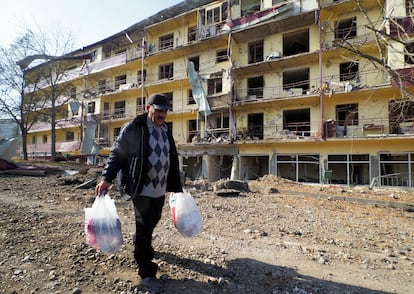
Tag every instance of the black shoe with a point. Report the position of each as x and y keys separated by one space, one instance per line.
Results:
x=152 y=284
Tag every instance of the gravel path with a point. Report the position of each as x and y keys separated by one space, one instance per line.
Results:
x=275 y=237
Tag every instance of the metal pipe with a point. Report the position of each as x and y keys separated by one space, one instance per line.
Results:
x=321 y=94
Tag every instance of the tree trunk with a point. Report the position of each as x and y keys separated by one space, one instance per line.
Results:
x=24 y=143
x=53 y=125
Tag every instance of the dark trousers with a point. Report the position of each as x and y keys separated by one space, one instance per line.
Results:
x=147 y=215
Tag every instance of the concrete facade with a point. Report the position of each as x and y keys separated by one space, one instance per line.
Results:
x=286 y=95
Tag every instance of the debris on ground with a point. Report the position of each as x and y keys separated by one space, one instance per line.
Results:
x=275 y=236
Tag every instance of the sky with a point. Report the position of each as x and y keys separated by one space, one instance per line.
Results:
x=89 y=21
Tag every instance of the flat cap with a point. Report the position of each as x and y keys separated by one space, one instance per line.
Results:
x=159 y=101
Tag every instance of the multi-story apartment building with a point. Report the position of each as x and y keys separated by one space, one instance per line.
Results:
x=290 y=88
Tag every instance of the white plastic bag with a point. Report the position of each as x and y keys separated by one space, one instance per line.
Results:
x=186 y=215
x=102 y=225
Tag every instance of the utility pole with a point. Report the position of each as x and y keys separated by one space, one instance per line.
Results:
x=142 y=69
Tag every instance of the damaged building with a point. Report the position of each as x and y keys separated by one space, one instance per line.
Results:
x=257 y=87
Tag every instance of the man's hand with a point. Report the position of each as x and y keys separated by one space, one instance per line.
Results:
x=102 y=188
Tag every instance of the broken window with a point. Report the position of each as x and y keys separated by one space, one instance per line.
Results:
x=44 y=139
x=401 y=116
x=166 y=42
x=102 y=86
x=192 y=130
x=348 y=71
x=103 y=136
x=190 y=97
x=298 y=167
x=140 y=105
x=222 y=122
x=346 y=28
x=347 y=115
x=252 y=167
x=256 y=51
x=296 y=42
x=297 y=121
x=192 y=34
x=213 y=15
x=91 y=107
x=192 y=166
x=397 y=169
x=218 y=125
x=295 y=80
x=255 y=126
x=346 y=121
x=215 y=84
x=141 y=76
x=255 y=87
x=106 y=112
x=224 y=10
x=34 y=141
x=349 y=169
x=222 y=56
x=119 y=109
x=196 y=62
x=166 y=71
x=120 y=80
x=211 y=19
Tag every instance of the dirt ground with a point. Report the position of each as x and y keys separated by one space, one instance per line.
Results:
x=277 y=237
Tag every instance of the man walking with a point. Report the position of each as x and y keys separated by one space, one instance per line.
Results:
x=146 y=154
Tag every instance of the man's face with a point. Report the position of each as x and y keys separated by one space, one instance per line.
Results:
x=156 y=116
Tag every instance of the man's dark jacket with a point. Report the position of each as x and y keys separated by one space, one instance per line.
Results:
x=130 y=154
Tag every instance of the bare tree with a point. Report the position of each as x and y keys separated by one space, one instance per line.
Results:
x=14 y=104
x=389 y=34
x=37 y=91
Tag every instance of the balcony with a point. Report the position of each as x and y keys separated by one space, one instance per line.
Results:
x=355 y=36
x=196 y=35
x=116 y=115
x=114 y=87
x=294 y=130
x=402 y=27
x=111 y=62
x=332 y=84
x=43 y=149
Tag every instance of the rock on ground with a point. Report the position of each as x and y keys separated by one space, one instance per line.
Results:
x=273 y=236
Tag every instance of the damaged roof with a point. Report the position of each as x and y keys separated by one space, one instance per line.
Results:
x=136 y=31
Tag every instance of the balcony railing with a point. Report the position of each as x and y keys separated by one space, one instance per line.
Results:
x=363 y=35
x=331 y=85
x=44 y=149
x=198 y=34
x=117 y=114
x=304 y=130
